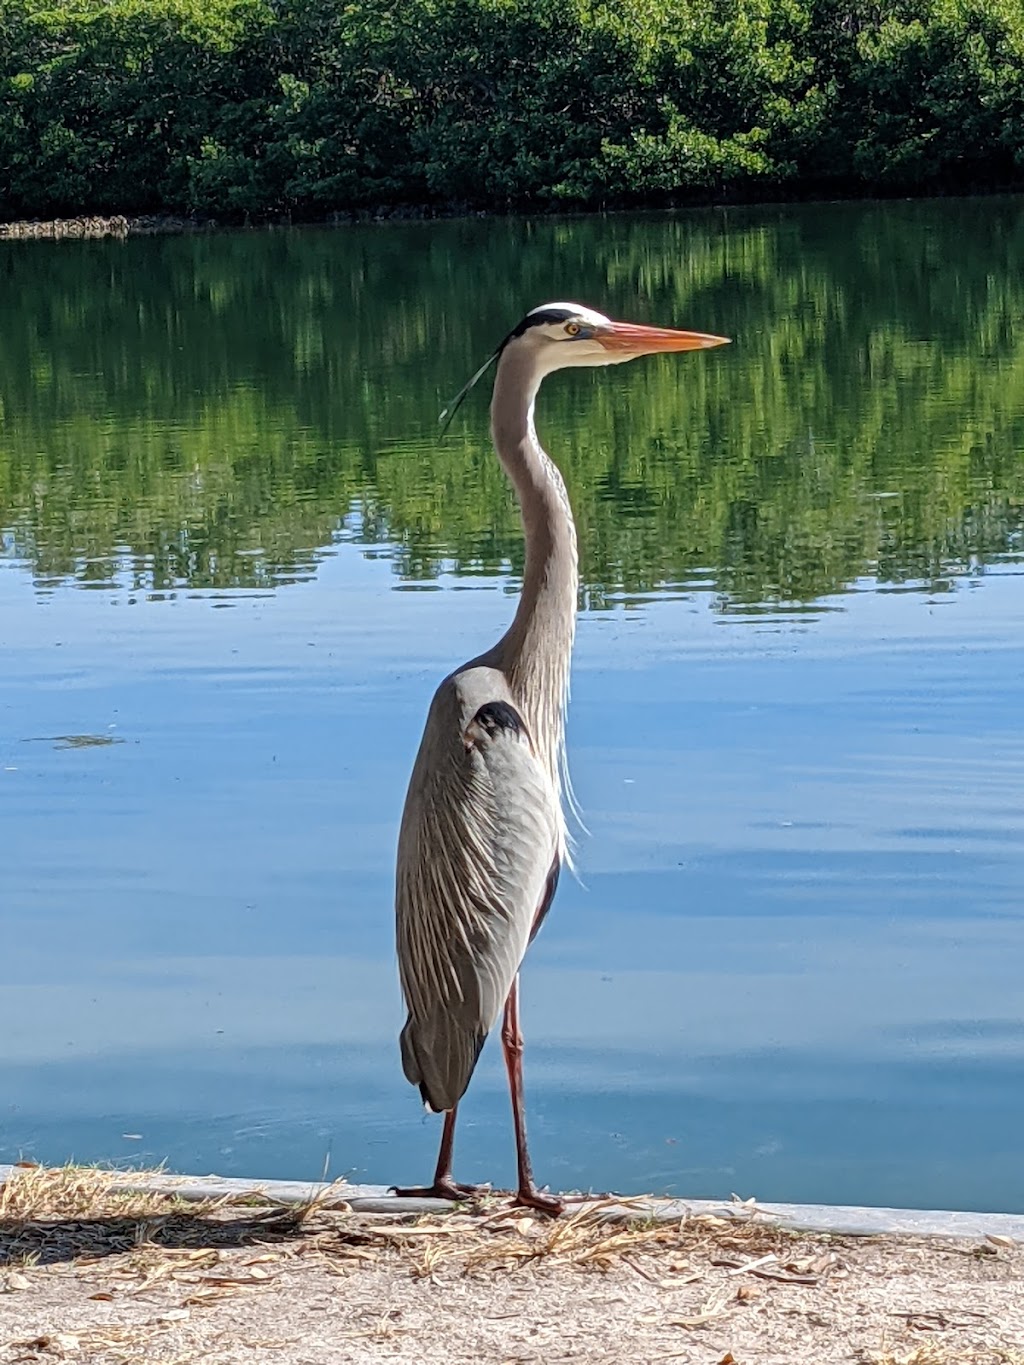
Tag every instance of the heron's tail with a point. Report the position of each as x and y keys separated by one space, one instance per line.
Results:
x=440 y=1057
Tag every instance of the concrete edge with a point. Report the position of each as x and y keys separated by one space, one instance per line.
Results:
x=848 y=1220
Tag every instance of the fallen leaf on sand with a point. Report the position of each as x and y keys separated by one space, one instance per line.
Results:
x=770 y=1259
x=714 y=1308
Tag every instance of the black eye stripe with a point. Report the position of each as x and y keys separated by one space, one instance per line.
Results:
x=545 y=315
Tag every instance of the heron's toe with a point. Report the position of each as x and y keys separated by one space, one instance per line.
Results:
x=530 y=1197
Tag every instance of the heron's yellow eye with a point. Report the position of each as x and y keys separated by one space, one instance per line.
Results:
x=572 y=329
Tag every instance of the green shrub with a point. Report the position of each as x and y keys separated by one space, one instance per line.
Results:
x=258 y=107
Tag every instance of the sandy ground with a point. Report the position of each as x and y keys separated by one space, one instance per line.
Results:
x=159 y=1284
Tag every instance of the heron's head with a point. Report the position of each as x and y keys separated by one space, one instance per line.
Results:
x=560 y=335
x=557 y=336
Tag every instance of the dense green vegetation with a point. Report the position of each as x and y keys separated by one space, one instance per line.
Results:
x=262 y=107
x=213 y=411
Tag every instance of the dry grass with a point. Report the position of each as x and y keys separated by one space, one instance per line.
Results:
x=35 y=1193
x=76 y=1212
x=935 y=1353
x=512 y=1238
x=66 y=1214
x=72 y=1214
x=127 y=1345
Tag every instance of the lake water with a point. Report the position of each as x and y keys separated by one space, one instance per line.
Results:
x=234 y=561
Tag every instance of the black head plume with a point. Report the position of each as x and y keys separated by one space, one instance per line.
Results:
x=534 y=319
x=447 y=413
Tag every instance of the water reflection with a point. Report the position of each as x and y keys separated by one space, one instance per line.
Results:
x=211 y=412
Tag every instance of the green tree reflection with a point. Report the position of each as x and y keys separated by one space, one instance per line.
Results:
x=214 y=411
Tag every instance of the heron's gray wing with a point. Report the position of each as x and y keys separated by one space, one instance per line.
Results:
x=479 y=841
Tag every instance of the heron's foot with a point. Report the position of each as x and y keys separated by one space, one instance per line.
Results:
x=529 y=1197
x=441 y=1189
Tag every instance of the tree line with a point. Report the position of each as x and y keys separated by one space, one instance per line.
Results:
x=261 y=108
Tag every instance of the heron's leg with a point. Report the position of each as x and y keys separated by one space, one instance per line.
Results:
x=512 y=1040
x=444 y=1187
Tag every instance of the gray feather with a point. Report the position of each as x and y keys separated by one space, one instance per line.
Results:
x=481 y=830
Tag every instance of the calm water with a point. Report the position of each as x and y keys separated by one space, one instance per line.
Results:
x=234 y=562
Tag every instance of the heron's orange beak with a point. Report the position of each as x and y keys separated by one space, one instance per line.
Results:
x=629 y=339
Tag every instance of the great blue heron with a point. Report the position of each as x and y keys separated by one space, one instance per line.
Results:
x=483 y=833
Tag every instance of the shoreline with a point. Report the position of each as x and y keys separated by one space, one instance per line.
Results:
x=847 y=1220
x=96 y=226
x=92 y=227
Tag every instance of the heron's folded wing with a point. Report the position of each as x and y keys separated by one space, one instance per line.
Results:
x=479 y=840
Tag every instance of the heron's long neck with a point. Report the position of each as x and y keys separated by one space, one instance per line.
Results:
x=534 y=652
